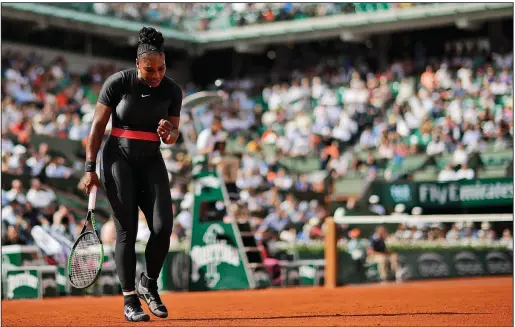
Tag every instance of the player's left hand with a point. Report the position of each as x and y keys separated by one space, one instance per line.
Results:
x=164 y=129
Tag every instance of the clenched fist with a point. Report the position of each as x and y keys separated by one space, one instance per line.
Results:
x=166 y=131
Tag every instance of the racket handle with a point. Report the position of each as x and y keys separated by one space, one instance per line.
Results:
x=92 y=198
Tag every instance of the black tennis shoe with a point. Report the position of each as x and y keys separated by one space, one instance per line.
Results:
x=147 y=291
x=133 y=311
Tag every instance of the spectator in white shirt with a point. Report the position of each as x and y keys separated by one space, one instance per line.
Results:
x=282 y=180
x=386 y=149
x=7 y=144
x=472 y=135
x=498 y=88
x=10 y=113
x=78 y=130
x=39 y=160
x=64 y=223
x=464 y=74
x=405 y=91
x=453 y=234
x=233 y=124
x=16 y=192
x=443 y=77
x=208 y=138
x=459 y=156
x=436 y=146
x=273 y=97
x=464 y=172
x=36 y=163
x=38 y=196
x=507 y=239
x=447 y=174
x=184 y=217
x=57 y=169
x=11 y=211
x=367 y=139
x=318 y=88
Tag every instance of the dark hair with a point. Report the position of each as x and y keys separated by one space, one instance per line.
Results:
x=150 y=40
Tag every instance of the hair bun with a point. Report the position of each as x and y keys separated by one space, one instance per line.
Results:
x=150 y=36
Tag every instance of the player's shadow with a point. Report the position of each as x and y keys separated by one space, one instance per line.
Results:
x=334 y=315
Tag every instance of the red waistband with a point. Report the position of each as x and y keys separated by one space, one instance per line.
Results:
x=137 y=135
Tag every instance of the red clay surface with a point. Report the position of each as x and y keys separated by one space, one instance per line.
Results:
x=464 y=302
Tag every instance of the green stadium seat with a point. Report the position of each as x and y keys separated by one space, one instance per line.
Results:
x=371 y=7
x=443 y=160
x=269 y=150
x=380 y=162
x=498 y=158
x=358 y=8
x=490 y=147
x=425 y=175
x=301 y=165
x=235 y=147
x=491 y=173
x=384 y=6
x=348 y=186
x=410 y=163
x=69 y=199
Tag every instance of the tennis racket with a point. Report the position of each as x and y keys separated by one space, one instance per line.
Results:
x=87 y=254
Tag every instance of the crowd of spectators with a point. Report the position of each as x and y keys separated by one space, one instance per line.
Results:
x=455 y=104
x=193 y=17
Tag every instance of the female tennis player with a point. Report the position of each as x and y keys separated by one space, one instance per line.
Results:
x=145 y=107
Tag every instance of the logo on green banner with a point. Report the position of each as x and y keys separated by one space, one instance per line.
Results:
x=467 y=263
x=465 y=191
x=432 y=265
x=498 y=263
x=6 y=264
x=23 y=280
x=209 y=181
x=213 y=253
x=400 y=193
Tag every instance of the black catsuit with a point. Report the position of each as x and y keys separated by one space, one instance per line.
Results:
x=133 y=170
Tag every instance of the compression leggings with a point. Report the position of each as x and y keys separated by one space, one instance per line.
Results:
x=135 y=178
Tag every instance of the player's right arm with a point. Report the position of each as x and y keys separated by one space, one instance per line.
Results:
x=109 y=97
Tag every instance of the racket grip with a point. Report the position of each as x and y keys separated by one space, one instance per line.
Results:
x=92 y=198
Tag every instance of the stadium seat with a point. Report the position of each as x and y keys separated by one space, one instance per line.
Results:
x=492 y=173
x=425 y=175
x=498 y=158
x=301 y=165
x=348 y=186
x=410 y=163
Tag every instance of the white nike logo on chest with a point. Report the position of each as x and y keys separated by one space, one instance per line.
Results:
x=145 y=95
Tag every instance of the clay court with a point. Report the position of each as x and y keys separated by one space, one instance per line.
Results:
x=464 y=302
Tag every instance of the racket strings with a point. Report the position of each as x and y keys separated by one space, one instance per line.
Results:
x=86 y=260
